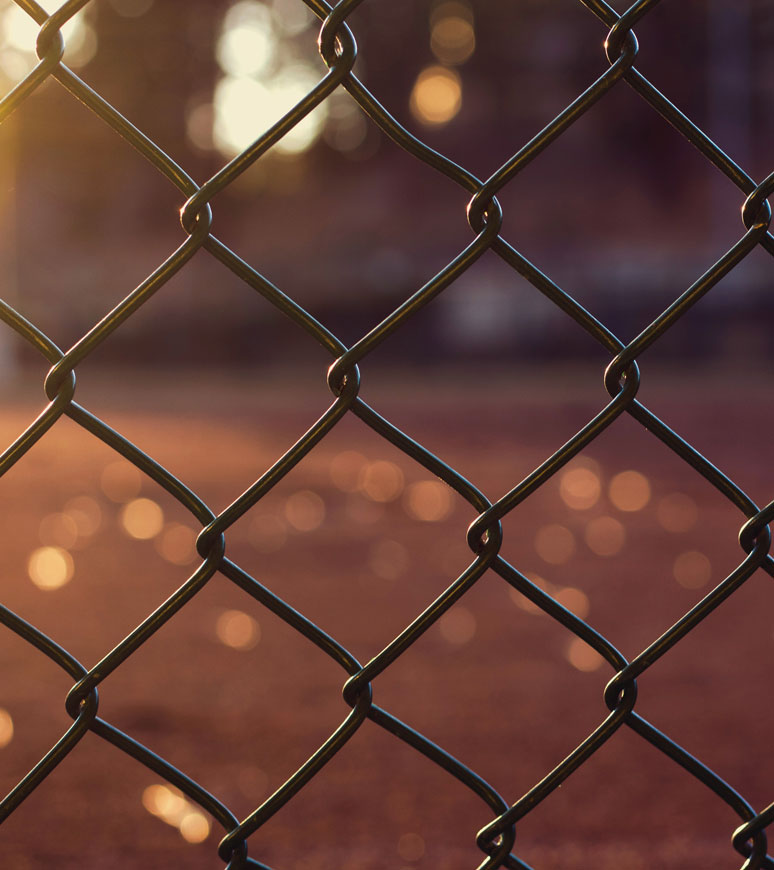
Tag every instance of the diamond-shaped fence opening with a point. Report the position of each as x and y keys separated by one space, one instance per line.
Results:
x=447 y=602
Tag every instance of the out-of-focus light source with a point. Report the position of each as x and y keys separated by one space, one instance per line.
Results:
x=169 y=805
x=20 y=32
x=457 y=626
x=291 y=16
x=452 y=38
x=246 y=45
x=305 y=510
x=142 y=518
x=429 y=501
x=237 y=630
x=50 y=567
x=554 y=544
x=381 y=481
x=677 y=513
x=580 y=488
x=177 y=544
x=6 y=728
x=437 y=96
x=245 y=108
x=411 y=847
x=692 y=569
x=629 y=491
x=605 y=536
x=582 y=657
x=85 y=513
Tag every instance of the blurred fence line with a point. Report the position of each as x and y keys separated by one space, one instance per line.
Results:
x=485 y=216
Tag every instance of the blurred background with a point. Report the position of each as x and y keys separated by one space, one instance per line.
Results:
x=621 y=212
x=213 y=383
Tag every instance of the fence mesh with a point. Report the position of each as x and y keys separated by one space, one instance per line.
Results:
x=337 y=47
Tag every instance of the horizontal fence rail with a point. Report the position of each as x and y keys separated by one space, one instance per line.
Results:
x=497 y=840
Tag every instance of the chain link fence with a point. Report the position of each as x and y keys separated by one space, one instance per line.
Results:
x=337 y=47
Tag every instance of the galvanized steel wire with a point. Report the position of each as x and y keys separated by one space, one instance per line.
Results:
x=337 y=48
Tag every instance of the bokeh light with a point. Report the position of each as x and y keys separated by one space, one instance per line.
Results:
x=305 y=510
x=554 y=544
x=629 y=491
x=458 y=625
x=246 y=45
x=177 y=544
x=388 y=560
x=6 y=728
x=411 y=847
x=677 y=513
x=168 y=804
x=345 y=470
x=86 y=513
x=142 y=519
x=574 y=600
x=436 y=97
x=452 y=37
x=237 y=630
x=429 y=501
x=522 y=601
x=59 y=530
x=381 y=481
x=582 y=657
x=20 y=33
x=291 y=17
x=50 y=567
x=580 y=488
x=165 y=802
x=194 y=827
x=692 y=569
x=245 y=108
x=605 y=536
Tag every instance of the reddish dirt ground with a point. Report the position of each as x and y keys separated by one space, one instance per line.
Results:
x=497 y=685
